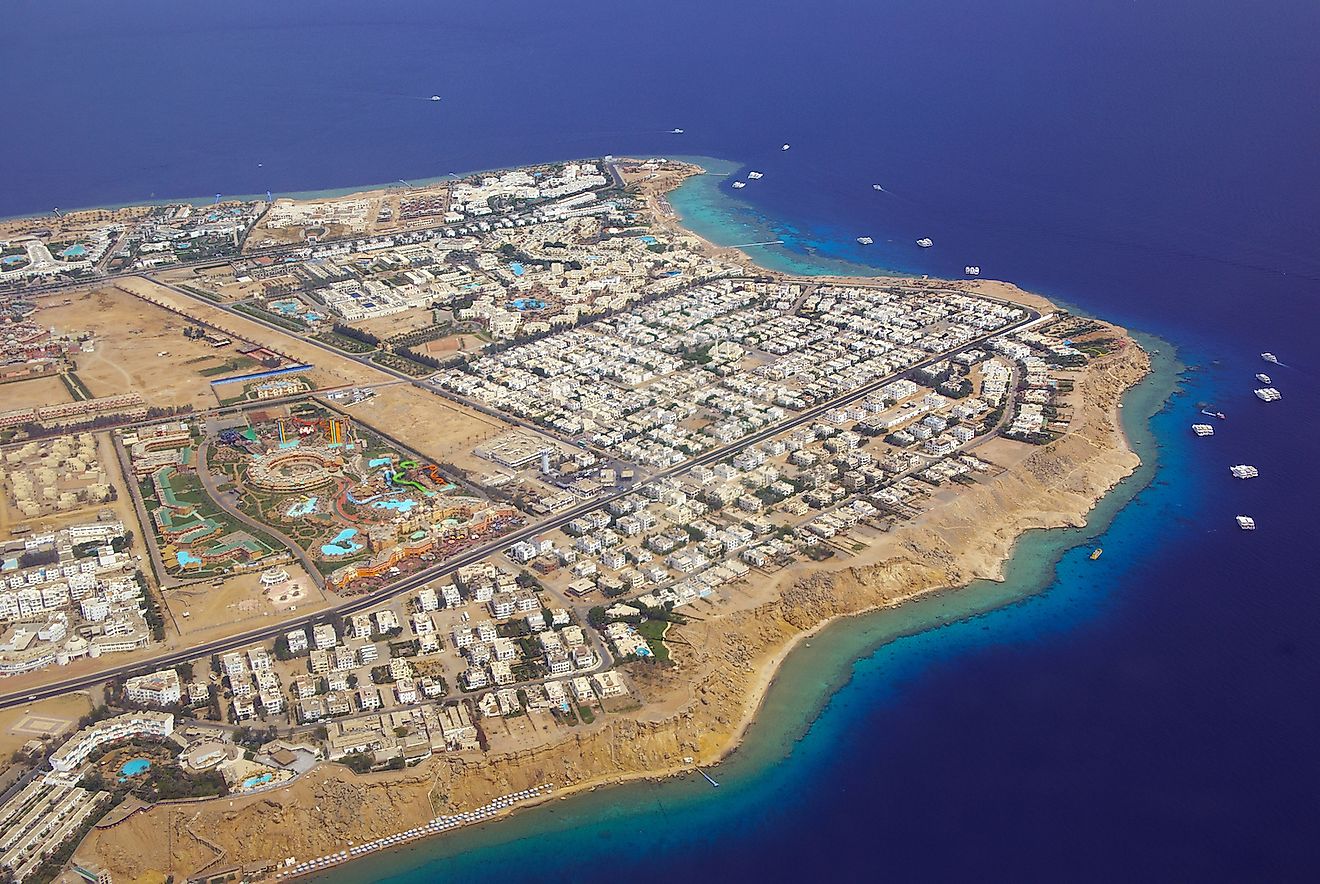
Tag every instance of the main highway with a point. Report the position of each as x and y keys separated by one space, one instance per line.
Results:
x=485 y=550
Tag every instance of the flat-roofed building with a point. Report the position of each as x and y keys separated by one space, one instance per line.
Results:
x=76 y=749
x=155 y=689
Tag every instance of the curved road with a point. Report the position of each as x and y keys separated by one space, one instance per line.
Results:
x=221 y=500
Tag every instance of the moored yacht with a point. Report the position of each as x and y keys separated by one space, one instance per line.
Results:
x=1246 y=523
x=1270 y=357
x=865 y=240
x=1263 y=378
x=972 y=270
x=739 y=185
x=754 y=175
x=925 y=242
x=1268 y=394
x=1203 y=429
x=1244 y=471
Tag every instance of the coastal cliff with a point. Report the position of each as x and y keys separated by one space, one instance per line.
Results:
x=701 y=706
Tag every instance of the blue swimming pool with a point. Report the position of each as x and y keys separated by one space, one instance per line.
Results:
x=403 y=505
x=253 y=782
x=135 y=766
x=518 y=269
x=185 y=558
x=342 y=545
x=77 y=250
x=302 y=508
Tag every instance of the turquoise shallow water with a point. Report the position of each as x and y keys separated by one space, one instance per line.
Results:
x=854 y=669
x=1147 y=717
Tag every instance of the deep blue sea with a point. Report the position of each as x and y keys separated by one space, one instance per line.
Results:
x=1151 y=716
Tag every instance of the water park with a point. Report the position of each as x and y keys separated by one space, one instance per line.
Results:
x=301 y=479
x=335 y=487
x=196 y=538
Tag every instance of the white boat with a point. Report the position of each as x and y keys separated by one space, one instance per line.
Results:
x=1244 y=471
x=676 y=131
x=878 y=187
x=1270 y=357
x=753 y=175
x=786 y=147
x=925 y=242
x=739 y=185
x=1203 y=429
x=972 y=270
x=435 y=97
x=865 y=240
x=1268 y=394
x=1263 y=378
x=1246 y=523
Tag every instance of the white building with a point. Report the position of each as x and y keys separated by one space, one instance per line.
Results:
x=157 y=689
x=70 y=756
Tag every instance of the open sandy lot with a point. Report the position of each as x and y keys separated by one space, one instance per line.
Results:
x=130 y=334
x=218 y=280
x=54 y=717
x=429 y=424
x=33 y=392
x=331 y=370
x=386 y=327
x=453 y=344
x=238 y=603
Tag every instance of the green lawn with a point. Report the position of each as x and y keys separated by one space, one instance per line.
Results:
x=229 y=366
x=654 y=631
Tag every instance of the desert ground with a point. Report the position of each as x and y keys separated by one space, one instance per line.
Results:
x=430 y=424
x=33 y=392
x=53 y=717
x=237 y=603
x=130 y=334
x=386 y=327
x=331 y=369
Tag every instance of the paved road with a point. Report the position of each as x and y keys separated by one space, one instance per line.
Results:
x=493 y=547
x=222 y=500
x=423 y=383
x=217 y=411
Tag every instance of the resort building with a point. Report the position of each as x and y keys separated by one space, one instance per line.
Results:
x=157 y=689
x=70 y=756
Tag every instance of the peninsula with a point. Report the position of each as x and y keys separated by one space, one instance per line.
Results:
x=333 y=523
